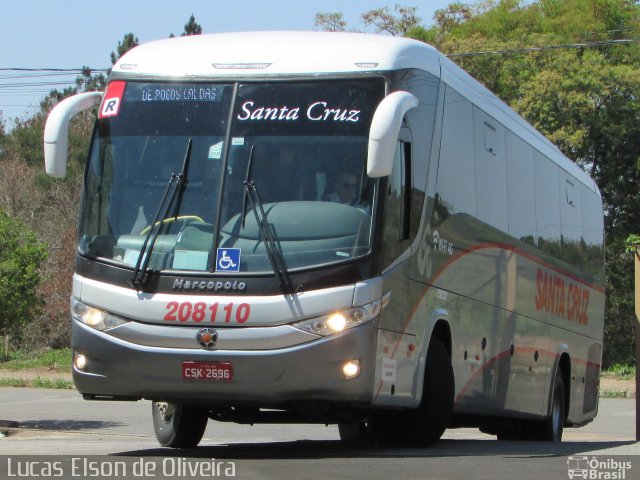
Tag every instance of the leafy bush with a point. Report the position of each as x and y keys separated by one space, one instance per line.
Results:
x=58 y=360
x=621 y=370
x=21 y=254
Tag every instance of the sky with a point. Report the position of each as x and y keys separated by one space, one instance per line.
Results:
x=74 y=33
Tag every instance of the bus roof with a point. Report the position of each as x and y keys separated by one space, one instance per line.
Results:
x=277 y=53
x=273 y=54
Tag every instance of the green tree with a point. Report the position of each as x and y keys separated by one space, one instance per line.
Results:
x=89 y=81
x=585 y=100
x=446 y=19
x=404 y=19
x=128 y=42
x=20 y=257
x=3 y=136
x=330 y=22
x=47 y=206
x=398 y=23
x=47 y=210
x=192 y=27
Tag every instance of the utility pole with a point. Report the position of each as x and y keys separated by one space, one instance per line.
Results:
x=636 y=255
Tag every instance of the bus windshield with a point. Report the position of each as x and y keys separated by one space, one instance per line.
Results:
x=288 y=154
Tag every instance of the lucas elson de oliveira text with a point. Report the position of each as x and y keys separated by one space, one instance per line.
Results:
x=84 y=467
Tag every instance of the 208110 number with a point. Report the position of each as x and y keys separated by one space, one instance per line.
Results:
x=200 y=312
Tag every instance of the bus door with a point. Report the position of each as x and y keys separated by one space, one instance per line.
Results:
x=397 y=351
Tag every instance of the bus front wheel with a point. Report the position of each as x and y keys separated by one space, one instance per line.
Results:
x=434 y=412
x=354 y=432
x=427 y=423
x=178 y=426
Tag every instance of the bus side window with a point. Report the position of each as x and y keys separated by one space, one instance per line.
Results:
x=397 y=209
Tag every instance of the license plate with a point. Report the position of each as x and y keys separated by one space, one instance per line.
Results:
x=207 y=371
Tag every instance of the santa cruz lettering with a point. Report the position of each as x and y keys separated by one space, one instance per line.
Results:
x=316 y=112
x=561 y=298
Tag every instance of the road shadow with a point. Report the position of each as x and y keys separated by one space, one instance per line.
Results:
x=68 y=425
x=327 y=449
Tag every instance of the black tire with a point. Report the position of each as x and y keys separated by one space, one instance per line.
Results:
x=354 y=432
x=425 y=425
x=178 y=426
x=550 y=429
x=434 y=413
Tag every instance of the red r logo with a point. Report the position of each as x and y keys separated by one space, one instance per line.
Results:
x=112 y=99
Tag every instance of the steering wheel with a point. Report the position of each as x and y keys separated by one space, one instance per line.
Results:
x=182 y=218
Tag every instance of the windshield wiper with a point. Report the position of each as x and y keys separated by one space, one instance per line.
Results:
x=247 y=178
x=276 y=258
x=175 y=188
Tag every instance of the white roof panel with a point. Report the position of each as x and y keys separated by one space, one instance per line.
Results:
x=278 y=53
x=479 y=95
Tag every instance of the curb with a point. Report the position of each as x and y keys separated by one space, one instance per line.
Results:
x=9 y=424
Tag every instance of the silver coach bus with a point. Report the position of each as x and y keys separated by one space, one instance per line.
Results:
x=329 y=228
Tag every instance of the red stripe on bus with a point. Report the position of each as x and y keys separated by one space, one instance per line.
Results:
x=458 y=256
x=505 y=353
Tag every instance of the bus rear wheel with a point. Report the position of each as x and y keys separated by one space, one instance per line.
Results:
x=178 y=426
x=550 y=429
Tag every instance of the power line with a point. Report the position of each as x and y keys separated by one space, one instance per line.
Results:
x=600 y=43
x=33 y=84
x=36 y=75
x=49 y=69
x=19 y=83
x=23 y=92
x=43 y=72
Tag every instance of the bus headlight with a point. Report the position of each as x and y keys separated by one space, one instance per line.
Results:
x=94 y=317
x=340 y=321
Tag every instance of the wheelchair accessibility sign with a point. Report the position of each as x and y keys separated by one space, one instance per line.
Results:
x=228 y=260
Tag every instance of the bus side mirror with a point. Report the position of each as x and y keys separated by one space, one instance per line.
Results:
x=384 y=131
x=56 y=131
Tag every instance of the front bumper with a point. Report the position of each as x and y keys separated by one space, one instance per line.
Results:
x=310 y=371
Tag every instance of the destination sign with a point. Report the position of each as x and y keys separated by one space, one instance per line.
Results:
x=162 y=93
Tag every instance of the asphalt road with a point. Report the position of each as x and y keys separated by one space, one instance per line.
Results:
x=58 y=422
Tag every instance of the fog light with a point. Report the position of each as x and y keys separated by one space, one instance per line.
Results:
x=351 y=369
x=80 y=361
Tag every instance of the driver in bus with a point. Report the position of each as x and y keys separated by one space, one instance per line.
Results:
x=346 y=190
